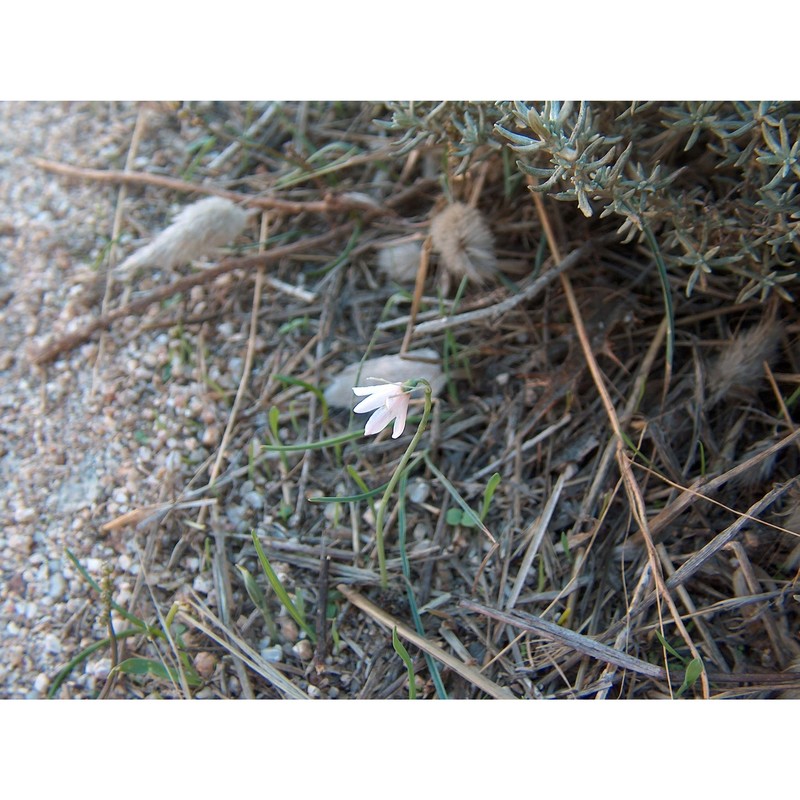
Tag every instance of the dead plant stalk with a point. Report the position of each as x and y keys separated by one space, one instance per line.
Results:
x=632 y=488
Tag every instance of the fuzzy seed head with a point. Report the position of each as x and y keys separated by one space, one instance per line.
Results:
x=462 y=238
x=197 y=230
x=400 y=261
x=739 y=367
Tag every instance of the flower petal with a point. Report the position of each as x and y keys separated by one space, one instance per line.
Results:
x=370 y=404
x=378 y=396
x=400 y=420
x=378 y=421
x=381 y=389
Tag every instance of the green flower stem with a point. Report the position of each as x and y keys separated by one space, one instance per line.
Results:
x=396 y=477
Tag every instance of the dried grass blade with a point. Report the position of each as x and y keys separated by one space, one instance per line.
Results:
x=579 y=642
x=240 y=649
x=388 y=621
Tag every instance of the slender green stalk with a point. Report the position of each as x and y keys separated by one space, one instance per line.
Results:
x=396 y=477
x=412 y=603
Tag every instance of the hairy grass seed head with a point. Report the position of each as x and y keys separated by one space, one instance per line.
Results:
x=462 y=238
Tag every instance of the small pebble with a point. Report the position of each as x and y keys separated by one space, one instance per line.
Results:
x=289 y=629
x=204 y=663
x=418 y=491
x=202 y=584
x=99 y=669
x=22 y=515
x=272 y=654
x=303 y=650
x=57 y=586
x=254 y=499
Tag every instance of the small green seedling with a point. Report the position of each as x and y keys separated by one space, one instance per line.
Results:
x=693 y=669
x=458 y=516
x=133 y=666
x=403 y=653
x=259 y=601
x=158 y=669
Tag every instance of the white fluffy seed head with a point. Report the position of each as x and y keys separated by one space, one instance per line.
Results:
x=400 y=260
x=739 y=368
x=462 y=238
x=197 y=230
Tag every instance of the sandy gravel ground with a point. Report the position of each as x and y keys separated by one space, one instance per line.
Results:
x=71 y=451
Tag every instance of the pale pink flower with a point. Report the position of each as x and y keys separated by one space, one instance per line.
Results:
x=389 y=401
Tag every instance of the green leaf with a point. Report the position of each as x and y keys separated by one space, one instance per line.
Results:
x=565 y=545
x=454 y=516
x=488 y=494
x=294 y=324
x=277 y=587
x=403 y=653
x=296 y=448
x=669 y=648
x=253 y=589
x=469 y=521
x=147 y=666
x=468 y=512
x=694 y=669
x=274 y=414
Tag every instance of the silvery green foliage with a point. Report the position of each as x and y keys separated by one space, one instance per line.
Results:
x=717 y=181
x=571 y=151
x=713 y=184
x=465 y=127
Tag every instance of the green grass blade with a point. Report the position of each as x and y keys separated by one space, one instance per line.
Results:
x=669 y=648
x=403 y=653
x=259 y=601
x=359 y=481
x=342 y=257
x=281 y=593
x=488 y=494
x=402 y=529
x=316 y=391
x=322 y=443
x=468 y=512
x=64 y=672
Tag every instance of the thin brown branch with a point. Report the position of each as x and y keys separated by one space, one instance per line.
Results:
x=632 y=488
x=495 y=311
x=52 y=350
x=331 y=203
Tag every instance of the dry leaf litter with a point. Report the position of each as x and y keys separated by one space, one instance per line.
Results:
x=104 y=451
